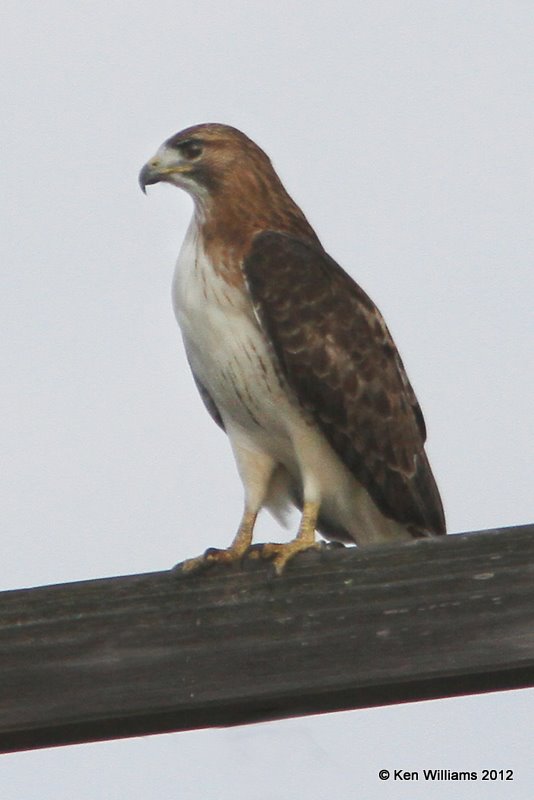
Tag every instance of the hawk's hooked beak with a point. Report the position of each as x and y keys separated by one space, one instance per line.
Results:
x=160 y=167
x=151 y=173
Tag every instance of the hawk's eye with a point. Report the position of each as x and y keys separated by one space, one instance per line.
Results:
x=191 y=149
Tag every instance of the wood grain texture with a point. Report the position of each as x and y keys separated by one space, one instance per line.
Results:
x=342 y=628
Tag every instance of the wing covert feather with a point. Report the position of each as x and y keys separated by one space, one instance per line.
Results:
x=338 y=357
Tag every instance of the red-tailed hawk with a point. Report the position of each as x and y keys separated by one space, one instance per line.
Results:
x=291 y=358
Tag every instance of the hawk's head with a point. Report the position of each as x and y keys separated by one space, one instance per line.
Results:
x=232 y=181
x=204 y=159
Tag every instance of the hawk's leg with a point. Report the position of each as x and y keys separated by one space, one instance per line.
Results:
x=282 y=553
x=256 y=470
x=235 y=552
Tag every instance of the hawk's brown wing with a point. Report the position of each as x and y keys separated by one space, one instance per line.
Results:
x=337 y=355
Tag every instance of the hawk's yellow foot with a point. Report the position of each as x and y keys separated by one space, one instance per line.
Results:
x=235 y=552
x=281 y=553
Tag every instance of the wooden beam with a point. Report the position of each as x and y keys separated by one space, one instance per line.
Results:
x=342 y=628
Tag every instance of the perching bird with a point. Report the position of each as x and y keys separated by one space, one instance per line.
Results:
x=291 y=358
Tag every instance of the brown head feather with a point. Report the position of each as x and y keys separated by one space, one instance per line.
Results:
x=239 y=193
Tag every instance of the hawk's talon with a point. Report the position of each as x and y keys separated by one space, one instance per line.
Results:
x=212 y=556
x=281 y=553
x=191 y=565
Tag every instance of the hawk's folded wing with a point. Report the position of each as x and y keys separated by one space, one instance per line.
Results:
x=338 y=357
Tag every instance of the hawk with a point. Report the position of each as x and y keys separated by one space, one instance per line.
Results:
x=291 y=358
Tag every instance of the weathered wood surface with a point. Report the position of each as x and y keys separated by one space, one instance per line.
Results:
x=341 y=629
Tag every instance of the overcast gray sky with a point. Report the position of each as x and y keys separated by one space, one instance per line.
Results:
x=404 y=130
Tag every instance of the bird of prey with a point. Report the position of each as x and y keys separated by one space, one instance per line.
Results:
x=291 y=358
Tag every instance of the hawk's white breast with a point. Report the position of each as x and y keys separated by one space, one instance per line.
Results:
x=225 y=346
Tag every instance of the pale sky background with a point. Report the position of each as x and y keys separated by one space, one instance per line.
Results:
x=404 y=130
